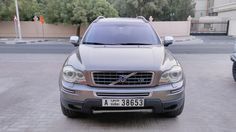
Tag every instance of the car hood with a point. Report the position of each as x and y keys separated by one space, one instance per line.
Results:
x=121 y=57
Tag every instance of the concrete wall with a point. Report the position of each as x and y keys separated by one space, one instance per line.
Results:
x=232 y=28
x=163 y=28
x=34 y=29
x=82 y=29
x=172 y=28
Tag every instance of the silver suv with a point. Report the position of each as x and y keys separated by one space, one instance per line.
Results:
x=121 y=65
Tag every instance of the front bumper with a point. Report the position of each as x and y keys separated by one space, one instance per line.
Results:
x=90 y=105
x=85 y=99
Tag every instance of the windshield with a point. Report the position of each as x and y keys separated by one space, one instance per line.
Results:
x=121 y=33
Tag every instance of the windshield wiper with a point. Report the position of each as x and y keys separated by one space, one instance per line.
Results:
x=95 y=43
x=132 y=44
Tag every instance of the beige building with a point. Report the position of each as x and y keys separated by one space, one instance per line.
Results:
x=200 y=8
x=203 y=8
x=220 y=8
x=225 y=8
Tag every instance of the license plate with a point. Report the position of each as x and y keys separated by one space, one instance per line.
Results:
x=123 y=102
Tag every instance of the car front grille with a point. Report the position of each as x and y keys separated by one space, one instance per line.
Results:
x=122 y=78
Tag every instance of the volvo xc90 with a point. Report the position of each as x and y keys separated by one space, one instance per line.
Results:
x=121 y=65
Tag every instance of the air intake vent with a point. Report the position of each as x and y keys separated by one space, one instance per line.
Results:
x=122 y=94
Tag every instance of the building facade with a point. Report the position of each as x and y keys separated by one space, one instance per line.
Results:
x=204 y=8
x=220 y=8
x=200 y=8
x=225 y=8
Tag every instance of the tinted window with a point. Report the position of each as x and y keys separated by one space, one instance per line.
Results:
x=118 y=33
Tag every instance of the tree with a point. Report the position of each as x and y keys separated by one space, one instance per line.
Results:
x=158 y=9
x=85 y=11
x=178 y=10
x=77 y=11
x=133 y=8
x=58 y=11
x=27 y=9
x=6 y=10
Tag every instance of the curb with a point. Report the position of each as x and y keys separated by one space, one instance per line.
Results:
x=23 y=41
x=187 y=39
x=20 y=42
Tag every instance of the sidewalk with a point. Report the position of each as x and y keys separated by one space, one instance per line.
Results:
x=31 y=40
x=65 y=40
x=208 y=40
x=184 y=38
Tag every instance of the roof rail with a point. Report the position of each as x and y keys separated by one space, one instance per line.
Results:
x=98 y=18
x=143 y=18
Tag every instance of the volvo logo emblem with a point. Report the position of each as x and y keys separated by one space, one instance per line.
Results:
x=122 y=78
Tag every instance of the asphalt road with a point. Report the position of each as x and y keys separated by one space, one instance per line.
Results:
x=49 y=47
x=67 y=48
x=201 y=45
x=29 y=97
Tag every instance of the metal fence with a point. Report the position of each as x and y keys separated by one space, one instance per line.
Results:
x=198 y=28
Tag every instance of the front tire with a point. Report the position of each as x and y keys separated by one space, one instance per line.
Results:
x=174 y=113
x=70 y=113
x=234 y=70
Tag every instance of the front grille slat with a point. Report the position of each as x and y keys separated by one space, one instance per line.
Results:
x=115 y=78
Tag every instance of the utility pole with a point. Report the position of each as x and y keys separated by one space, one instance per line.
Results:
x=18 y=20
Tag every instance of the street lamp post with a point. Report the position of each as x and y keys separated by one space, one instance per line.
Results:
x=18 y=20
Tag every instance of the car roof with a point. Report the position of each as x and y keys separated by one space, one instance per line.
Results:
x=120 y=20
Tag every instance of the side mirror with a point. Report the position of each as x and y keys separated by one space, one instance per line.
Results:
x=168 y=40
x=74 y=40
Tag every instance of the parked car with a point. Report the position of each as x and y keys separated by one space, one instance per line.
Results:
x=233 y=58
x=121 y=65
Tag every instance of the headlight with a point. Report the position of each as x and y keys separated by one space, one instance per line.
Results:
x=172 y=76
x=72 y=75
